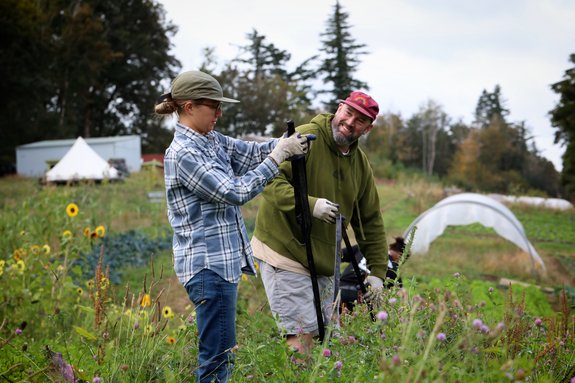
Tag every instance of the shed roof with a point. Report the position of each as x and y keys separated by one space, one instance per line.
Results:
x=70 y=142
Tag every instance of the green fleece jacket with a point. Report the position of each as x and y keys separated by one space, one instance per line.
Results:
x=343 y=179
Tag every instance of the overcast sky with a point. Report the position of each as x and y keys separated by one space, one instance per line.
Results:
x=446 y=50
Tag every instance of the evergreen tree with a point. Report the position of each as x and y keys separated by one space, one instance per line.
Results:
x=269 y=93
x=83 y=68
x=25 y=77
x=263 y=59
x=341 y=57
x=563 y=119
x=489 y=106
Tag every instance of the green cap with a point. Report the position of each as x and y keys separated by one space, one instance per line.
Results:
x=194 y=85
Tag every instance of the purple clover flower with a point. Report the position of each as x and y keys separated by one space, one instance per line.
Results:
x=327 y=352
x=477 y=323
x=382 y=316
x=441 y=337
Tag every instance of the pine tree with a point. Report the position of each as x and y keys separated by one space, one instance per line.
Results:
x=341 y=57
x=269 y=93
x=490 y=106
x=83 y=68
x=563 y=119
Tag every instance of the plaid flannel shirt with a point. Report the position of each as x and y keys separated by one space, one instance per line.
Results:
x=208 y=177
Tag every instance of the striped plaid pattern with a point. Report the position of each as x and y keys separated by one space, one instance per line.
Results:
x=208 y=177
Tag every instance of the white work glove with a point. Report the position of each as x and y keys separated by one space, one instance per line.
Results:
x=325 y=210
x=374 y=286
x=296 y=144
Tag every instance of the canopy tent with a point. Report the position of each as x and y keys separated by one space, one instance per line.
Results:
x=465 y=209
x=81 y=162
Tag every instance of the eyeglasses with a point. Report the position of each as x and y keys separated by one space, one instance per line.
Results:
x=216 y=106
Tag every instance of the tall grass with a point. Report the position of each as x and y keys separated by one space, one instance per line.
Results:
x=450 y=322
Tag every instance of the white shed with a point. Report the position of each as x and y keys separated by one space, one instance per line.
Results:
x=32 y=160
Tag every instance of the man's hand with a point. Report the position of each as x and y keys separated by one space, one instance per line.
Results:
x=375 y=285
x=325 y=210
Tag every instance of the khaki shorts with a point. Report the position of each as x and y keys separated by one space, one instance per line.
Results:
x=290 y=296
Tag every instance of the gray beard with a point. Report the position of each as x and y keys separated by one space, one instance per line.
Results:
x=340 y=139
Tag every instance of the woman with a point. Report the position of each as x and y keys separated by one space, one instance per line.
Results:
x=208 y=176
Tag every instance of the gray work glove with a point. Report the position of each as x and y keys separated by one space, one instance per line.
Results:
x=294 y=145
x=375 y=285
x=325 y=210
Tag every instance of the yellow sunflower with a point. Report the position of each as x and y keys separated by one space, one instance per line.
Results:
x=171 y=340
x=100 y=231
x=72 y=210
x=19 y=254
x=46 y=249
x=167 y=312
x=67 y=234
x=146 y=300
x=87 y=232
x=35 y=249
x=79 y=291
x=20 y=266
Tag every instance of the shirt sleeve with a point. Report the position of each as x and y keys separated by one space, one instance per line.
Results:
x=213 y=180
x=246 y=155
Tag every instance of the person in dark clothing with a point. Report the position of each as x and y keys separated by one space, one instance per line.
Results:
x=349 y=285
x=395 y=252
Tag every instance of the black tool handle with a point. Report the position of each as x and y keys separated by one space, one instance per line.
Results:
x=303 y=217
x=356 y=269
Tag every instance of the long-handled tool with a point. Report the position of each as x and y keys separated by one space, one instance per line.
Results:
x=353 y=262
x=303 y=217
x=337 y=268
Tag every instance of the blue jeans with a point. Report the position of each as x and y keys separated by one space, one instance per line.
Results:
x=215 y=300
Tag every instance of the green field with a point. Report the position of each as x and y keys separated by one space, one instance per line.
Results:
x=81 y=294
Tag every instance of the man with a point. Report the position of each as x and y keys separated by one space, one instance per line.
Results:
x=340 y=180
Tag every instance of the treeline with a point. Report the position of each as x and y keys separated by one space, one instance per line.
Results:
x=491 y=154
x=95 y=68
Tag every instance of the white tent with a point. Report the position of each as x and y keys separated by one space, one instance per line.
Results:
x=81 y=162
x=465 y=209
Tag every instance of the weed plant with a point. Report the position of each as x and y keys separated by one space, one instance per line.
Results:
x=66 y=320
